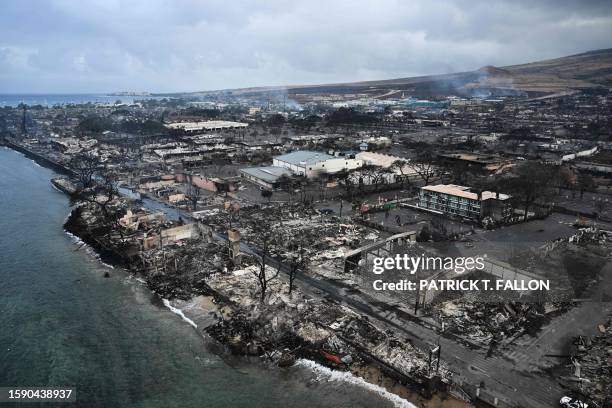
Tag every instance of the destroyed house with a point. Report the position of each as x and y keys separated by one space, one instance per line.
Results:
x=459 y=201
x=214 y=184
x=177 y=154
x=483 y=161
x=170 y=236
x=257 y=145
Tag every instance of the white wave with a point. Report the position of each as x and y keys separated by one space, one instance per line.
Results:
x=327 y=374
x=78 y=241
x=74 y=238
x=179 y=312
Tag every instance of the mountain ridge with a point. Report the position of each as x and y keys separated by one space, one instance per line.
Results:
x=585 y=70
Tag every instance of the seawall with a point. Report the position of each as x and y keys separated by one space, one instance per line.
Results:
x=38 y=158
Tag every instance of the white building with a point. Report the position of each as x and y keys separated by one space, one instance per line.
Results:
x=312 y=164
x=204 y=126
x=385 y=161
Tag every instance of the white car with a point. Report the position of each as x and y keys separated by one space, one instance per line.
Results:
x=568 y=402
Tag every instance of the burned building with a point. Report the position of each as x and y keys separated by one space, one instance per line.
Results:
x=486 y=162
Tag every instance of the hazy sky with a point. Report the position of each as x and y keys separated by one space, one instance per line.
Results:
x=156 y=45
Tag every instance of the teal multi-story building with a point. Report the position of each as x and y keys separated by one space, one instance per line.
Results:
x=459 y=201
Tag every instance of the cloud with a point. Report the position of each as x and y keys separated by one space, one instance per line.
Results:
x=189 y=45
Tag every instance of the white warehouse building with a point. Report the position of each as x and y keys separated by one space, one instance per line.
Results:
x=312 y=164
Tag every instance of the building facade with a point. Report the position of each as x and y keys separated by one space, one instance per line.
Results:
x=459 y=201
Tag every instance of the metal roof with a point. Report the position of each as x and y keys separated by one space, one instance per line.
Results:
x=268 y=174
x=302 y=157
x=462 y=191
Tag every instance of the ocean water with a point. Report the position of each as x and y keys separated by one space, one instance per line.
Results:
x=62 y=99
x=63 y=324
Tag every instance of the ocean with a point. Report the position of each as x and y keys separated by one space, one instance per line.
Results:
x=63 y=99
x=63 y=324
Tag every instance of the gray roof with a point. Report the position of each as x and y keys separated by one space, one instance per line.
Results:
x=302 y=157
x=268 y=174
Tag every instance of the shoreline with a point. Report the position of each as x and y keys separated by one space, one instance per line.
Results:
x=37 y=158
x=191 y=312
x=366 y=373
x=114 y=258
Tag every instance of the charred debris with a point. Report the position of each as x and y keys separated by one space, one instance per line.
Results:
x=259 y=309
x=265 y=211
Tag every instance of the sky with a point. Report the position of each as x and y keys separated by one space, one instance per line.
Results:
x=83 y=46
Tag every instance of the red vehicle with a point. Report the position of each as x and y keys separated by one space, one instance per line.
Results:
x=331 y=357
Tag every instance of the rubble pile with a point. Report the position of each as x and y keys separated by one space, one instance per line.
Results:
x=130 y=236
x=99 y=230
x=591 y=366
x=484 y=322
x=174 y=193
x=575 y=264
x=281 y=326
x=317 y=329
x=591 y=235
x=385 y=346
x=181 y=270
x=282 y=321
x=242 y=217
x=324 y=239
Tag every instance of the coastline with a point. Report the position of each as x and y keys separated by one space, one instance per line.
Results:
x=201 y=312
x=199 y=309
x=37 y=158
x=215 y=318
